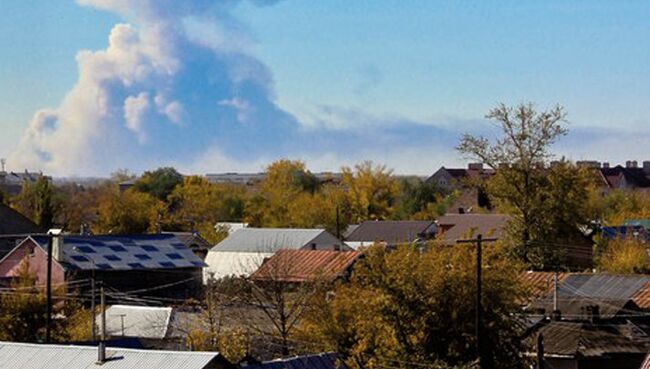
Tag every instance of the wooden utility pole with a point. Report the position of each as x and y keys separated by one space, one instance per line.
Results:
x=48 y=324
x=540 y=351
x=92 y=304
x=478 y=329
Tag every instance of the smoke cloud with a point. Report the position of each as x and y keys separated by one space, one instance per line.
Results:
x=178 y=84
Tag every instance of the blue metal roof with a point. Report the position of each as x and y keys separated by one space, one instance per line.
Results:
x=152 y=251
x=328 y=360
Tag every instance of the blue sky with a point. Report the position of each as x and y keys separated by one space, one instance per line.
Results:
x=330 y=82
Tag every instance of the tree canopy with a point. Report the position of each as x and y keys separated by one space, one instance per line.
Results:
x=545 y=198
x=418 y=307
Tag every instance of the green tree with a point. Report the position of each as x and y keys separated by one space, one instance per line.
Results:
x=417 y=196
x=159 y=183
x=418 y=310
x=38 y=201
x=547 y=200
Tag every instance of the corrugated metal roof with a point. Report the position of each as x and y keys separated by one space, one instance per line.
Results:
x=392 y=231
x=318 y=361
x=587 y=340
x=137 y=321
x=610 y=292
x=152 y=251
x=224 y=263
x=642 y=297
x=272 y=239
x=36 y=356
x=539 y=284
x=306 y=265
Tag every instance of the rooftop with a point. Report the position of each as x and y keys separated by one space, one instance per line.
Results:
x=273 y=239
x=151 y=251
x=392 y=231
x=305 y=265
x=26 y=356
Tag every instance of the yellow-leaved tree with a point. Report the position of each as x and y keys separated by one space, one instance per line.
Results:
x=371 y=191
x=411 y=308
x=128 y=212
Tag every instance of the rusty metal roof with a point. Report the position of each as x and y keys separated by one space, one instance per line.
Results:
x=304 y=265
x=642 y=297
x=539 y=284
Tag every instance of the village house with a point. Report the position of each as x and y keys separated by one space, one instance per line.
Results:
x=391 y=232
x=244 y=250
x=628 y=177
x=134 y=264
x=29 y=355
x=464 y=181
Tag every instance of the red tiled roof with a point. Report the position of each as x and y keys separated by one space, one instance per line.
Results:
x=306 y=265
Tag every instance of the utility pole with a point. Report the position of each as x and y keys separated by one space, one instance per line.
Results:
x=338 y=223
x=540 y=351
x=92 y=305
x=102 y=303
x=48 y=324
x=479 y=305
x=122 y=319
x=101 y=355
x=555 y=291
x=478 y=329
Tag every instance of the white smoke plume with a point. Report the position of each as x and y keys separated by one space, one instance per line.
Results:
x=178 y=74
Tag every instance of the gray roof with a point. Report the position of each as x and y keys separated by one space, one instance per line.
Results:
x=36 y=356
x=151 y=251
x=577 y=339
x=610 y=292
x=273 y=239
x=139 y=321
x=328 y=360
x=391 y=231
